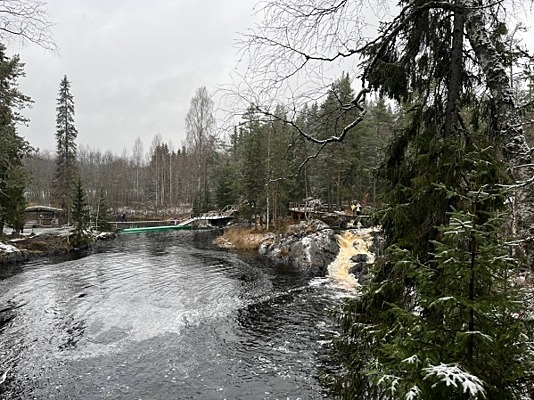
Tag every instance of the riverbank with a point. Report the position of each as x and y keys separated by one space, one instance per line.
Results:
x=311 y=247
x=242 y=238
x=37 y=243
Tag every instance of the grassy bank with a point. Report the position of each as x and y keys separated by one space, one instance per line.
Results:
x=242 y=238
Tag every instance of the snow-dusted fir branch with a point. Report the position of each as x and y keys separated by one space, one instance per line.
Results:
x=452 y=375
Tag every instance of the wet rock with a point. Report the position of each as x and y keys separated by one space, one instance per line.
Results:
x=360 y=269
x=11 y=254
x=359 y=258
x=308 y=246
x=7 y=312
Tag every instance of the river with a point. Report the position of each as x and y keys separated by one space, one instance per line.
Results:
x=163 y=316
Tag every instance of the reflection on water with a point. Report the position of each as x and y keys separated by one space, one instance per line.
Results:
x=161 y=316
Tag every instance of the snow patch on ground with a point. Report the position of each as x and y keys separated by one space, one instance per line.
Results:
x=8 y=248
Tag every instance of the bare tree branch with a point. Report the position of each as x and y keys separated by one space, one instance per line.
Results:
x=28 y=21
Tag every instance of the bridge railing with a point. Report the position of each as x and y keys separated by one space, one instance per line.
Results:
x=315 y=207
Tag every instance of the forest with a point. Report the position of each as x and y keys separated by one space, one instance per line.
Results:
x=434 y=133
x=260 y=165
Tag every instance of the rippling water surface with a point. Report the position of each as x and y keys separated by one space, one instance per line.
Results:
x=161 y=316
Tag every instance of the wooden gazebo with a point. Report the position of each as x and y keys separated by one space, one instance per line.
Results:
x=39 y=216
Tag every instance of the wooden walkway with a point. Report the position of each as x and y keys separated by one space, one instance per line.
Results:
x=300 y=211
x=328 y=214
x=210 y=219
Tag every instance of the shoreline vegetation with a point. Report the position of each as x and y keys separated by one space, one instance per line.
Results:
x=241 y=238
x=23 y=247
x=20 y=248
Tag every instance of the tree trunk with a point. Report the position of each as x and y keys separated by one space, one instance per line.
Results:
x=456 y=73
x=508 y=122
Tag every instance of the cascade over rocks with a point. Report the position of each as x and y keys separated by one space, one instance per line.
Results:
x=309 y=246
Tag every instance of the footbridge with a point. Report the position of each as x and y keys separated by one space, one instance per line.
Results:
x=207 y=220
x=212 y=218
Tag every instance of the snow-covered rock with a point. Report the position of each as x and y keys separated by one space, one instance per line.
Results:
x=11 y=254
x=8 y=248
x=105 y=235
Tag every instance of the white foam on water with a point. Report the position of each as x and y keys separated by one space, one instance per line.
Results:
x=351 y=243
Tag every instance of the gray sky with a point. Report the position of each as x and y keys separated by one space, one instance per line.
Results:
x=133 y=66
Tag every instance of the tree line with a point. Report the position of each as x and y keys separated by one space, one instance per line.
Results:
x=261 y=165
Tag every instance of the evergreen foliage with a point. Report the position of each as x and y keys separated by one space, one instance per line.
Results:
x=80 y=236
x=13 y=148
x=345 y=172
x=442 y=317
x=262 y=167
x=449 y=310
x=102 y=213
x=253 y=167
x=272 y=164
x=225 y=183
x=66 y=133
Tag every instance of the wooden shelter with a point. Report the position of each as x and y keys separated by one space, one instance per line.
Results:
x=39 y=216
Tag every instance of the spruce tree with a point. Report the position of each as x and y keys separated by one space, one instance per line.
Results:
x=253 y=169
x=66 y=133
x=13 y=147
x=102 y=213
x=80 y=236
x=442 y=317
x=224 y=178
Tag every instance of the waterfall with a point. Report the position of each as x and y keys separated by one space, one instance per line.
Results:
x=351 y=243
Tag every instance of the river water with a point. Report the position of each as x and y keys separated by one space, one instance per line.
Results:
x=162 y=316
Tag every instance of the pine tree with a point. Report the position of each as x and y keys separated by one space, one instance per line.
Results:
x=13 y=147
x=66 y=133
x=80 y=236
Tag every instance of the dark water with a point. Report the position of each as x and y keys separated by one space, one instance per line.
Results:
x=162 y=316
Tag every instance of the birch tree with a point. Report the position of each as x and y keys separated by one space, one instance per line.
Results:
x=201 y=144
x=28 y=21
x=137 y=159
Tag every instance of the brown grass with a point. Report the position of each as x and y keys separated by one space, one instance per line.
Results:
x=240 y=238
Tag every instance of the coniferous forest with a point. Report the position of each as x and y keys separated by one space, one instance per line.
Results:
x=259 y=165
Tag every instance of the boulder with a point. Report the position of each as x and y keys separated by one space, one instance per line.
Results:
x=308 y=246
x=12 y=254
x=360 y=268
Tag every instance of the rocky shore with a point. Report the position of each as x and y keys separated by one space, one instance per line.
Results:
x=315 y=248
x=44 y=243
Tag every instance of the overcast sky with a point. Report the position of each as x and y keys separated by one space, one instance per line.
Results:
x=133 y=66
